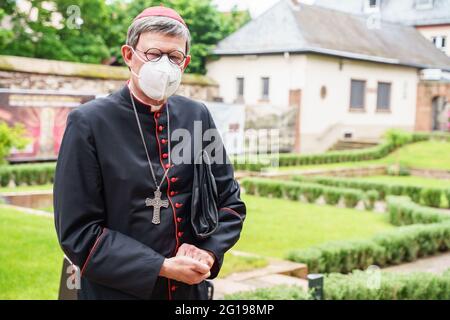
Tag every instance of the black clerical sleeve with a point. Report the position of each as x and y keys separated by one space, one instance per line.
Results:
x=104 y=256
x=232 y=210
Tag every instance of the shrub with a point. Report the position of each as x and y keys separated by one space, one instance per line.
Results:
x=351 y=198
x=332 y=195
x=447 y=196
x=294 y=190
x=401 y=245
x=363 y=285
x=27 y=174
x=394 y=139
x=402 y=211
x=431 y=197
x=371 y=197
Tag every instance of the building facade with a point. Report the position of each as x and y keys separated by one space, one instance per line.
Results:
x=346 y=80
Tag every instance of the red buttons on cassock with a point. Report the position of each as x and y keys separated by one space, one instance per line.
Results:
x=180 y=234
x=172 y=193
x=165 y=155
x=173 y=288
x=160 y=128
x=178 y=205
x=173 y=179
x=167 y=166
x=158 y=114
x=163 y=141
x=179 y=219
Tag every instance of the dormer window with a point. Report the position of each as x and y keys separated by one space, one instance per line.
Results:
x=424 y=4
x=372 y=6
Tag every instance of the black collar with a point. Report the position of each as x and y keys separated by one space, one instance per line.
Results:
x=124 y=93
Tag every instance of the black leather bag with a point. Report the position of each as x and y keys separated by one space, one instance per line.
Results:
x=204 y=211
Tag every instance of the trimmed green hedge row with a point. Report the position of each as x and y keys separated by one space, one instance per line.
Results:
x=431 y=197
x=404 y=244
x=394 y=139
x=311 y=192
x=361 y=285
x=27 y=174
x=402 y=211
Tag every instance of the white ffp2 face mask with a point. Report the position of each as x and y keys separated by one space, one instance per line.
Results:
x=158 y=80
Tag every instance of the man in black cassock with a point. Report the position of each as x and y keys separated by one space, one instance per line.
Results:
x=114 y=172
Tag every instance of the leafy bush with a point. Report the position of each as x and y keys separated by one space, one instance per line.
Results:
x=394 y=140
x=363 y=285
x=432 y=197
x=27 y=174
x=402 y=211
x=429 y=196
x=400 y=245
x=447 y=195
x=371 y=197
x=293 y=190
x=391 y=286
x=11 y=137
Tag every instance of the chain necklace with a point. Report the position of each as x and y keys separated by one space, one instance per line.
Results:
x=156 y=202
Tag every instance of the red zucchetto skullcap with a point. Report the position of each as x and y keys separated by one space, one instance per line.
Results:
x=161 y=12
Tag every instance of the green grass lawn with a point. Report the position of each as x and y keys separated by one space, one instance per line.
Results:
x=274 y=226
x=421 y=155
x=30 y=258
x=44 y=187
x=233 y=263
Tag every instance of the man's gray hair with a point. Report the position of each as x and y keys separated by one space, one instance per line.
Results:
x=161 y=25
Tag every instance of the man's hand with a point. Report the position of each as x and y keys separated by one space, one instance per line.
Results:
x=193 y=252
x=185 y=269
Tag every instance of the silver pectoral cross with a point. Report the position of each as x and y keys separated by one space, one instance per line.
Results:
x=156 y=203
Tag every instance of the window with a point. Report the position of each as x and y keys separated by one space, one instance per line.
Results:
x=357 y=94
x=240 y=88
x=265 y=88
x=384 y=96
x=440 y=42
x=424 y=4
x=372 y=6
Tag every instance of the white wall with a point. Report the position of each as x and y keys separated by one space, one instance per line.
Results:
x=437 y=31
x=323 y=121
x=332 y=115
x=285 y=73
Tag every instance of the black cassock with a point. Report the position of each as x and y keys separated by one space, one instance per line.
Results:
x=101 y=183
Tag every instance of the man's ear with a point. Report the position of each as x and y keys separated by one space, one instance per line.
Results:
x=127 y=54
x=186 y=62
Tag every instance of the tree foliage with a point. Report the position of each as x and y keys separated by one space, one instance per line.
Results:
x=92 y=31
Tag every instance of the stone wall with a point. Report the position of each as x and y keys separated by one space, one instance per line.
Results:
x=81 y=78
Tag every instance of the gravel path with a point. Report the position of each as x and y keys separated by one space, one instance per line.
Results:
x=434 y=264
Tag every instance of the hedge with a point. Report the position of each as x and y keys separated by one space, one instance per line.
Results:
x=27 y=174
x=431 y=197
x=361 y=285
x=402 y=211
x=311 y=192
x=394 y=139
x=404 y=244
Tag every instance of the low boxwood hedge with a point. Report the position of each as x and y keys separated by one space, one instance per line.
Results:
x=394 y=139
x=294 y=190
x=402 y=211
x=431 y=197
x=403 y=244
x=362 y=285
x=27 y=174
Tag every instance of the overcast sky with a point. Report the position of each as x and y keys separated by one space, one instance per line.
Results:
x=256 y=7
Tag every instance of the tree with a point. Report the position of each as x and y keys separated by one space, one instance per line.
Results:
x=93 y=31
x=11 y=137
